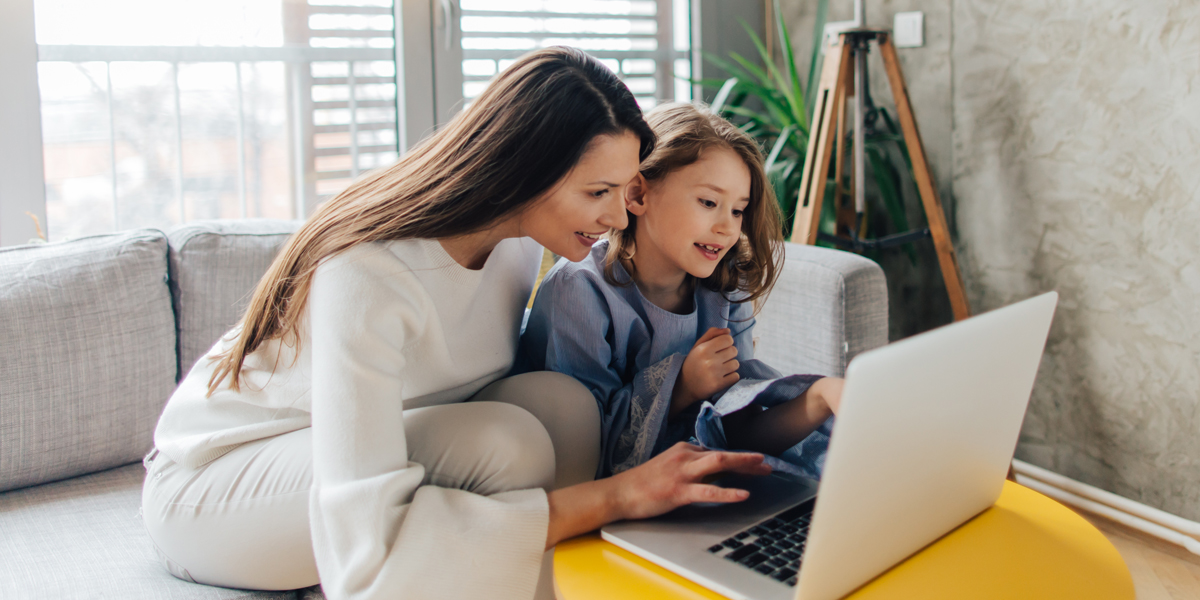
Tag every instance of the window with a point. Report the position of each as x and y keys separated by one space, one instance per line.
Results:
x=150 y=113
x=158 y=112
x=646 y=42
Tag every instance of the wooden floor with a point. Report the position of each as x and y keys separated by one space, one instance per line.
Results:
x=1161 y=571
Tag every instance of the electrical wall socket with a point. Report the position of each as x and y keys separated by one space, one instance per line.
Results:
x=908 y=29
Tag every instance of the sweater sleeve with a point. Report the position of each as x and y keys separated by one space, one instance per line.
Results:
x=571 y=330
x=377 y=531
x=741 y=327
x=762 y=384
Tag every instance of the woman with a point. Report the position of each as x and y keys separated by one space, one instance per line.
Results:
x=355 y=422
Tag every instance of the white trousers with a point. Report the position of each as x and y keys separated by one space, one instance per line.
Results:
x=242 y=520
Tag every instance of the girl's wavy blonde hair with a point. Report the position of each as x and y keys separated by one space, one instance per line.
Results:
x=748 y=272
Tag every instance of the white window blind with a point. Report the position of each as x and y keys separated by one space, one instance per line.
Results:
x=158 y=112
x=646 y=42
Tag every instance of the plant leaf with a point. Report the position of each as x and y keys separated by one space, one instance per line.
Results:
x=718 y=103
x=708 y=83
x=780 y=144
x=775 y=105
x=754 y=69
x=887 y=120
x=785 y=196
x=757 y=118
x=781 y=85
x=789 y=60
x=800 y=142
x=887 y=190
x=732 y=69
x=891 y=125
x=828 y=221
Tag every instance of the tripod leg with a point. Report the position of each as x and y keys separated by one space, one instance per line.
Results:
x=830 y=93
x=842 y=196
x=929 y=196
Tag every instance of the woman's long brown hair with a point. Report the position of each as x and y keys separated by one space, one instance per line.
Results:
x=749 y=270
x=517 y=140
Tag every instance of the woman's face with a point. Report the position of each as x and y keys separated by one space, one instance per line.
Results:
x=588 y=201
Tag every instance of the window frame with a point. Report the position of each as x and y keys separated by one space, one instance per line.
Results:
x=22 y=168
x=428 y=57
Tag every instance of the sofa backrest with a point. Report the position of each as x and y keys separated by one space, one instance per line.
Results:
x=214 y=268
x=87 y=354
x=827 y=307
x=95 y=332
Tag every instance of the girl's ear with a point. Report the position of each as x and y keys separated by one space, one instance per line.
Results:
x=635 y=195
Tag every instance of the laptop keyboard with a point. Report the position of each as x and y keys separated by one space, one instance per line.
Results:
x=774 y=547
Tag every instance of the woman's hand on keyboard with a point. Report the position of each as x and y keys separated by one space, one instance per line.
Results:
x=670 y=480
x=677 y=477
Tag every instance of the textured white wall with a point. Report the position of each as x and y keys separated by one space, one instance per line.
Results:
x=1073 y=164
x=1077 y=168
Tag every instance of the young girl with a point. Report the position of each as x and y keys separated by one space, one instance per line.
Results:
x=658 y=321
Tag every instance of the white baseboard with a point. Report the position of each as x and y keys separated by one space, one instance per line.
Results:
x=1149 y=520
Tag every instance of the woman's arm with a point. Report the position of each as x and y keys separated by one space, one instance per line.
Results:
x=377 y=529
x=670 y=480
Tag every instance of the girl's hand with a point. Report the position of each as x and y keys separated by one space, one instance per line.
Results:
x=676 y=477
x=709 y=368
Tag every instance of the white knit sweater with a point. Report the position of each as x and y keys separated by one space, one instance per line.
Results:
x=389 y=326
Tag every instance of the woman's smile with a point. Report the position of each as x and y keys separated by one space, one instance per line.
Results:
x=587 y=239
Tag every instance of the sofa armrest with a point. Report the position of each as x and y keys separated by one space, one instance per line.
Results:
x=827 y=306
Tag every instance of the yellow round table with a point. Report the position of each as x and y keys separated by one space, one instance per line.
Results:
x=1026 y=546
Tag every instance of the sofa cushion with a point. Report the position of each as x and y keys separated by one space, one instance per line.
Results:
x=87 y=354
x=83 y=538
x=214 y=268
x=827 y=306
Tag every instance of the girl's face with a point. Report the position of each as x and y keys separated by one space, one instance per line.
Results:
x=692 y=217
x=588 y=201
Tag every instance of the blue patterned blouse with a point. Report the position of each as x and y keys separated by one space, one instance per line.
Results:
x=628 y=352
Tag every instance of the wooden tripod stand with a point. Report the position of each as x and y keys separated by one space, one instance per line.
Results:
x=842 y=77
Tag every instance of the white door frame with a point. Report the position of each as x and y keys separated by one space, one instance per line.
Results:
x=416 y=112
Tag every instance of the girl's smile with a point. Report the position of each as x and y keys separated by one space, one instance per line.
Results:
x=711 y=252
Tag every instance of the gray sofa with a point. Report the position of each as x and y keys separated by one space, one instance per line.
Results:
x=96 y=332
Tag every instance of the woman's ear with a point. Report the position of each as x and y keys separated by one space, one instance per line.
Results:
x=635 y=195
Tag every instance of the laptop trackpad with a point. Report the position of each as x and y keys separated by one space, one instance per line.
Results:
x=768 y=495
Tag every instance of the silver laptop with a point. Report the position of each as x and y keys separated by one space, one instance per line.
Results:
x=927 y=429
